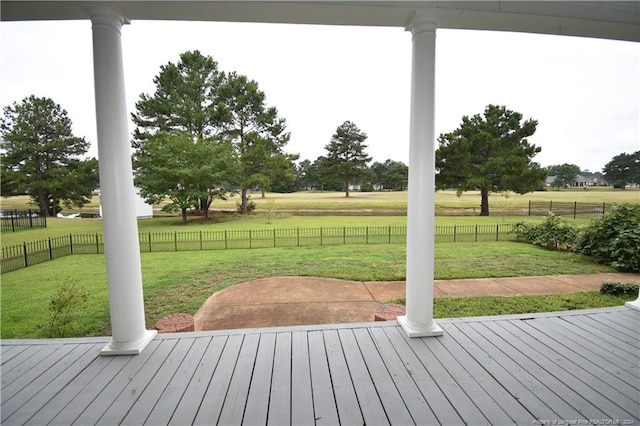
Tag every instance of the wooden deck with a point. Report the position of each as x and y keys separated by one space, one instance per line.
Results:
x=578 y=367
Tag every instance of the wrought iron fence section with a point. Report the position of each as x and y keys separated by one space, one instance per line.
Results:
x=568 y=209
x=20 y=220
x=27 y=254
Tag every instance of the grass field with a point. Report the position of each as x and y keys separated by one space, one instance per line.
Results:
x=182 y=281
x=57 y=227
x=387 y=202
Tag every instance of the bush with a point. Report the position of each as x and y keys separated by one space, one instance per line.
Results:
x=616 y=288
x=553 y=233
x=63 y=307
x=614 y=238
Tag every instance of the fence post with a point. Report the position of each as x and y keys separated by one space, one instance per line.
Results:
x=603 y=207
x=575 y=208
x=175 y=240
x=71 y=243
x=50 y=250
x=250 y=244
x=366 y=235
x=298 y=235
x=455 y=231
x=97 y=244
x=551 y=206
x=321 y=235
x=149 y=242
x=13 y=226
x=30 y=219
x=225 y=239
x=529 y=207
x=274 y=237
x=497 y=232
x=200 y=240
x=24 y=247
x=344 y=235
x=389 y=239
x=476 y=237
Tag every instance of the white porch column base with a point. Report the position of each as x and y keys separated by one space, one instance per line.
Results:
x=419 y=330
x=119 y=222
x=418 y=321
x=130 y=347
x=635 y=304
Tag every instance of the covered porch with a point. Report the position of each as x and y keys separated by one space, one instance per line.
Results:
x=578 y=367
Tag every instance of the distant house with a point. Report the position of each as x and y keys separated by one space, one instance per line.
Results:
x=580 y=182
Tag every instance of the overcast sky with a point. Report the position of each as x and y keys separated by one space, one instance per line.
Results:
x=585 y=93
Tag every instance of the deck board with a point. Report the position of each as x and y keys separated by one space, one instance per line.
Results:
x=167 y=403
x=193 y=397
x=213 y=400
x=492 y=370
x=368 y=398
x=279 y=412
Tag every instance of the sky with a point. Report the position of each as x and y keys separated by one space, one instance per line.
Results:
x=585 y=93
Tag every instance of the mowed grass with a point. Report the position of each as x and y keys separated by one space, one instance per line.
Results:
x=387 y=202
x=58 y=227
x=181 y=281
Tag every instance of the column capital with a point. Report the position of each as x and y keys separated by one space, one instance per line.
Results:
x=423 y=20
x=102 y=15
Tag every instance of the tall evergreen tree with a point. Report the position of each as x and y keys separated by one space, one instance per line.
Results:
x=185 y=101
x=41 y=156
x=489 y=153
x=257 y=133
x=346 y=156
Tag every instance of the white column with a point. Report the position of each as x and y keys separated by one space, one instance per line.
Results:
x=122 y=253
x=418 y=321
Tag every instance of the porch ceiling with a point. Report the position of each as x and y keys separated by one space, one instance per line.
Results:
x=612 y=19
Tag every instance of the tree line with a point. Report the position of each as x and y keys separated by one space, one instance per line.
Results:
x=205 y=134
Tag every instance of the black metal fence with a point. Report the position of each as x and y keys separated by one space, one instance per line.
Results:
x=28 y=254
x=561 y=208
x=20 y=220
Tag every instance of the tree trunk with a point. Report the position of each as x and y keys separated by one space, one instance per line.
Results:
x=484 y=205
x=243 y=202
x=184 y=215
x=43 y=202
x=264 y=195
x=346 y=188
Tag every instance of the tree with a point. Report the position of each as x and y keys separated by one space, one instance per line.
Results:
x=257 y=133
x=623 y=169
x=490 y=154
x=564 y=174
x=41 y=156
x=304 y=175
x=172 y=165
x=346 y=158
x=186 y=100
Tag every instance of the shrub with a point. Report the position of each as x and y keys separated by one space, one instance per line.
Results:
x=616 y=288
x=63 y=307
x=614 y=238
x=553 y=233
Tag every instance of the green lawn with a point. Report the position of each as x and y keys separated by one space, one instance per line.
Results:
x=182 y=281
x=381 y=202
